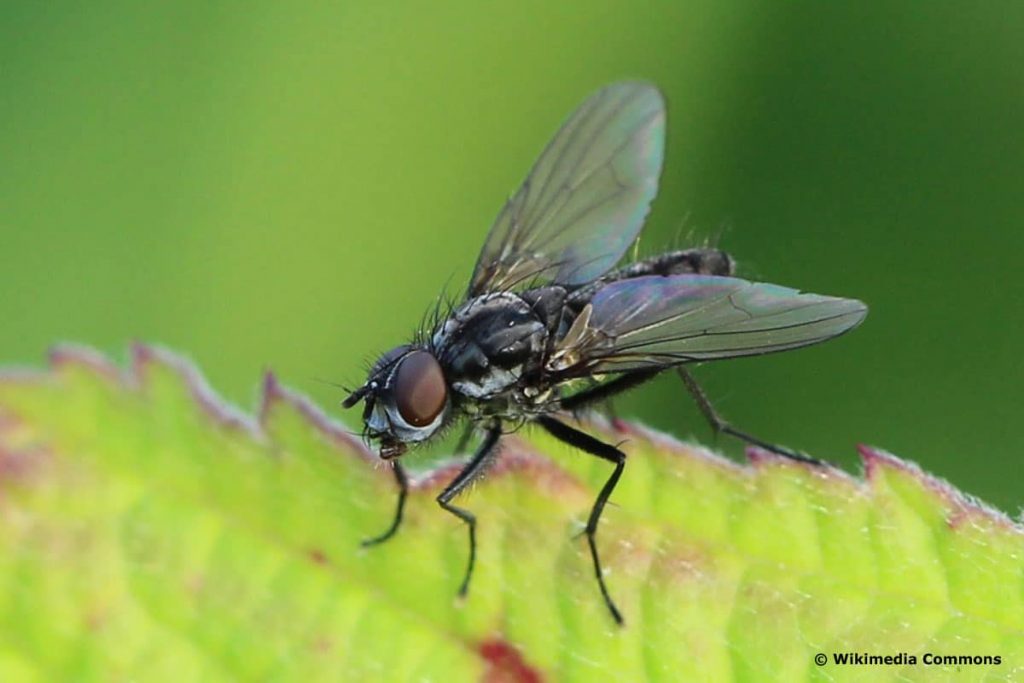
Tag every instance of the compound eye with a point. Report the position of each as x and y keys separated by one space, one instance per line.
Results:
x=419 y=389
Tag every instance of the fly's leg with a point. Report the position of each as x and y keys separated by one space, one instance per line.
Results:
x=719 y=424
x=604 y=392
x=589 y=444
x=403 y=489
x=471 y=471
x=604 y=405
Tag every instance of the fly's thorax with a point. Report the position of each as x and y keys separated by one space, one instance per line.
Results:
x=490 y=344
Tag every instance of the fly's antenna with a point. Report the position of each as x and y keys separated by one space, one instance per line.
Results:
x=355 y=397
x=351 y=392
x=347 y=388
x=338 y=385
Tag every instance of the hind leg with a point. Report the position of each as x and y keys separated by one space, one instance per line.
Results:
x=721 y=425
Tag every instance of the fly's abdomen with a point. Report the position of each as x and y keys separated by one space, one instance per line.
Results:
x=702 y=261
x=698 y=261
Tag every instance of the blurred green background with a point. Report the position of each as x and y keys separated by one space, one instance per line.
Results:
x=289 y=186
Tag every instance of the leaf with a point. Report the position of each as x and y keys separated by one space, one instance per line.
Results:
x=150 y=532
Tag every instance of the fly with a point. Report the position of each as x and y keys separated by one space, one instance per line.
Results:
x=547 y=307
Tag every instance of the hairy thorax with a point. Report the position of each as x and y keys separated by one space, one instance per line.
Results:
x=493 y=348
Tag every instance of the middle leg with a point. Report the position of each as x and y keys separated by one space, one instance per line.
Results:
x=403 y=490
x=589 y=444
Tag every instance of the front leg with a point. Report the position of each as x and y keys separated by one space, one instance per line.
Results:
x=471 y=471
x=403 y=490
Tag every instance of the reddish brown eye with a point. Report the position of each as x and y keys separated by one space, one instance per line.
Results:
x=419 y=389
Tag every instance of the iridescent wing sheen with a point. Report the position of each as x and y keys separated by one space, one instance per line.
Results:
x=586 y=197
x=654 y=321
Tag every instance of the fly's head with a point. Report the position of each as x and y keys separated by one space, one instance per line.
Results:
x=405 y=399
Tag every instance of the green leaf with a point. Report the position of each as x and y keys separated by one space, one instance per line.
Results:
x=150 y=532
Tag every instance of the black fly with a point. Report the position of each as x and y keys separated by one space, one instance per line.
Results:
x=546 y=308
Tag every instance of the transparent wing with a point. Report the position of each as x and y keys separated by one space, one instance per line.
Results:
x=585 y=198
x=660 y=321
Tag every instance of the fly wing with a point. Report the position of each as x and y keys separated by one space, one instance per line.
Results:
x=654 y=321
x=585 y=198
